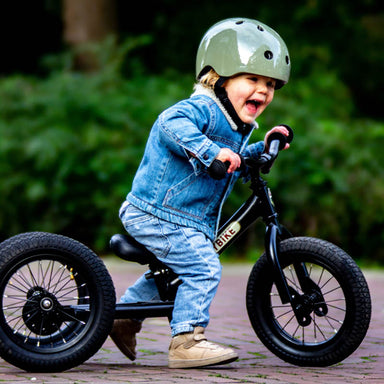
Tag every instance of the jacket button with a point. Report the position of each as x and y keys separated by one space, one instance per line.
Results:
x=205 y=157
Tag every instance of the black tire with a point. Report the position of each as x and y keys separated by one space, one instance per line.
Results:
x=42 y=277
x=330 y=337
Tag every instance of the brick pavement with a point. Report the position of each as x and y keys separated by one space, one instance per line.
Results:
x=229 y=325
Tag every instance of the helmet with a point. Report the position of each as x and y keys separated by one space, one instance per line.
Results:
x=240 y=45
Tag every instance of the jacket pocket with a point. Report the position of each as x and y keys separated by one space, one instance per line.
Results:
x=194 y=196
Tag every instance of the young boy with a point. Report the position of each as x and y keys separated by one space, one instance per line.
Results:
x=174 y=205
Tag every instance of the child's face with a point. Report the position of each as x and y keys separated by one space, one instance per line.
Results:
x=250 y=95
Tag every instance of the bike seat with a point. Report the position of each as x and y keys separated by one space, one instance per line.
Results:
x=129 y=249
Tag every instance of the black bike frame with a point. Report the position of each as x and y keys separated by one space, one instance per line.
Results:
x=259 y=204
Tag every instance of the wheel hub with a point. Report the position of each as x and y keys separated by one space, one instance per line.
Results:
x=46 y=304
x=304 y=305
x=41 y=313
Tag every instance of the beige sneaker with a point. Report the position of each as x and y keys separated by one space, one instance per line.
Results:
x=189 y=350
x=124 y=336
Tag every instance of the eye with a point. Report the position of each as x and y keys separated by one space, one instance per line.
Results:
x=271 y=83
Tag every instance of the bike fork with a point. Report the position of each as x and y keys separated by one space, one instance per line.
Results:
x=312 y=298
x=271 y=248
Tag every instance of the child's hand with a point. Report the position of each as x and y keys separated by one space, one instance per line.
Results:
x=279 y=128
x=233 y=158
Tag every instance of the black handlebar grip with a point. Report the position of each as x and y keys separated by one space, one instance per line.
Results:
x=217 y=170
x=281 y=138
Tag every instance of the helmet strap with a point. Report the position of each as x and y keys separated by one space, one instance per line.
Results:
x=222 y=95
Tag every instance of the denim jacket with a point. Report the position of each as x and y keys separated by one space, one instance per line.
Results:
x=172 y=182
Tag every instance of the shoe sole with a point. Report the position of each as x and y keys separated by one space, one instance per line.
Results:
x=189 y=363
x=124 y=349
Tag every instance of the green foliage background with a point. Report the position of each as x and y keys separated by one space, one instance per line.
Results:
x=70 y=146
x=70 y=142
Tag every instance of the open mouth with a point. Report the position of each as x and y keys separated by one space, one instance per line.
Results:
x=253 y=105
x=254 y=102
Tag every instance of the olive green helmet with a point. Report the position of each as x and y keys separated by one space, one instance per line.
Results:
x=240 y=45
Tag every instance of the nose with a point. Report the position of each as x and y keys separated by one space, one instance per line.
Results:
x=262 y=87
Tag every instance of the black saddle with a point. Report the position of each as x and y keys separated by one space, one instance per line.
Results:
x=129 y=249
x=166 y=280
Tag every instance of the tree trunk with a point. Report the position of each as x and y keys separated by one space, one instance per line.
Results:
x=88 y=21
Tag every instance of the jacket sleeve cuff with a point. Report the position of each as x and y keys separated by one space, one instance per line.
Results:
x=254 y=150
x=208 y=152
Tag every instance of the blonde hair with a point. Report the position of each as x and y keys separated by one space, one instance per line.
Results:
x=208 y=80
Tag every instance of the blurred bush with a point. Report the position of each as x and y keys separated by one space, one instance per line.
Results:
x=330 y=182
x=71 y=143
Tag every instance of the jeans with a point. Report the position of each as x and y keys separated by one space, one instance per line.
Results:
x=189 y=253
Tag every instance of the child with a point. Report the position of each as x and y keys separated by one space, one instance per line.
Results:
x=174 y=205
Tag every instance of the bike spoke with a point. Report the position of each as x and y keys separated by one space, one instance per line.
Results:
x=335 y=307
x=320 y=277
x=283 y=314
x=32 y=275
x=288 y=322
x=56 y=287
x=317 y=329
x=67 y=314
x=332 y=290
x=69 y=290
x=295 y=331
x=292 y=278
x=27 y=284
x=16 y=287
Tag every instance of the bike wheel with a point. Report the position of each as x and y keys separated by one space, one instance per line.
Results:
x=339 y=315
x=57 y=302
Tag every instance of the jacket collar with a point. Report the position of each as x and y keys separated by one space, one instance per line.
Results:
x=219 y=96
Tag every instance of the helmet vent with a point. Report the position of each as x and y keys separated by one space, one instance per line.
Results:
x=260 y=28
x=287 y=60
x=268 y=55
x=239 y=22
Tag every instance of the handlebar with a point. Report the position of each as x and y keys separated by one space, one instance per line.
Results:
x=282 y=139
x=217 y=170
x=276 y=142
